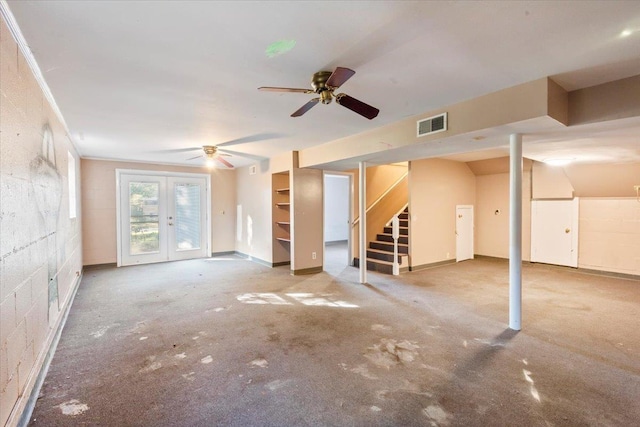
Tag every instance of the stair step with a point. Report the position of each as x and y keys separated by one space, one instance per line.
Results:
x=404 y=215
x=404 y=231
x=384 y=237
x=384 y=255
x=380 y=266
x=384 y=246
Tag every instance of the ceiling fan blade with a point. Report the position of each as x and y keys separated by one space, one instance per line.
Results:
x=250 y=138
x=284 y=89
x=248 y=156
x=306 y=107
x=196 y=157
x=224 y=162
x=177 y=150
x=339 y=76
x=357 y=106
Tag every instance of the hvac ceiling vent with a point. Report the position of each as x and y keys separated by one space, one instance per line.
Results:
x=433 y=124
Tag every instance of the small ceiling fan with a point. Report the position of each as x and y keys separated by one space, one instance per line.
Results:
x=324 y=83
x=213 y=153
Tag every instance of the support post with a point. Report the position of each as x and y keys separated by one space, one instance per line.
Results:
x=515 y=232
x=362 y=169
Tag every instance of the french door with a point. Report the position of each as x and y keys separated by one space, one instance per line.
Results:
x=162 y=218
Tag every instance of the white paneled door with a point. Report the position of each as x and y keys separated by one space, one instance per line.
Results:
x=554 y=232
x=162 y=218
x=464 y=232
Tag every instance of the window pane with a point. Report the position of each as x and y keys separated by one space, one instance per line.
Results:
x=187 y=221
x=144 y=232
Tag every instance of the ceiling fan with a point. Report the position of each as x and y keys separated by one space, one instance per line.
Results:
x=213 y=153
x=324 y=83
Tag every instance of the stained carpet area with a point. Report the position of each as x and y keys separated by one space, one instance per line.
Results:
x=228 y=342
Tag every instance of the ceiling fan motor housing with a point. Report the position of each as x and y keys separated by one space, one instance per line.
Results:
x=210 y=150
x=319 y=84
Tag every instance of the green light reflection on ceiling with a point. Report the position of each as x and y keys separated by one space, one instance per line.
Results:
x=279 y=47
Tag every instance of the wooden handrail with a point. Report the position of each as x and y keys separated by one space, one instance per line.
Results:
x=397 y=213
x=387 y=191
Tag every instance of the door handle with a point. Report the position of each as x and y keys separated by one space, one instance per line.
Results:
x=170 y=223
x=567 y=230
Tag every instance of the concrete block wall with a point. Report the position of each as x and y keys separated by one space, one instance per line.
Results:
x=40 y=246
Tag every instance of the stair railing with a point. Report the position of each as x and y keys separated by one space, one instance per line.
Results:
x=396 y=214
x=382 y=196
x=395 y=233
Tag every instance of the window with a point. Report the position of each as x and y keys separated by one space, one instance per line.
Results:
x=71 y=177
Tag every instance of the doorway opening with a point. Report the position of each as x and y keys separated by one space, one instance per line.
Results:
x=162 y=216
x=337 y=220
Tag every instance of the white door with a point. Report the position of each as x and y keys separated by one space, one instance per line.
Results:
x=464 y=232
x=162 y=218
x=554 y=232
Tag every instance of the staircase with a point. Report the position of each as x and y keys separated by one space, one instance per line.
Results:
x=380 y=251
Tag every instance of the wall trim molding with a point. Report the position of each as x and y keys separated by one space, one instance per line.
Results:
x=302 y=271
x=222 y=253
x=431 y=265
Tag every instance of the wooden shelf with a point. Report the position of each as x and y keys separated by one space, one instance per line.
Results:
x=282 y=190
x=282 y=239
x=283 y=204
x=283 y=223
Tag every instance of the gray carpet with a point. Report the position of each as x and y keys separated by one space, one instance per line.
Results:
x=228 y=342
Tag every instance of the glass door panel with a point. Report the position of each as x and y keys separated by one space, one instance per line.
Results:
x=144 y=222
x=187 y=219
x=187 y=216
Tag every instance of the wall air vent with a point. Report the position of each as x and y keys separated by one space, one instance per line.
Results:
x=432 y=124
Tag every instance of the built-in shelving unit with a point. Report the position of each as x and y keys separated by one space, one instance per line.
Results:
x=281 y=218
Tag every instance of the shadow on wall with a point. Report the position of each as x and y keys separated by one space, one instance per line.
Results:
x=47 y=188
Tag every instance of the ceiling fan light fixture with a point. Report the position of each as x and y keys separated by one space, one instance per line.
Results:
x=210 y=162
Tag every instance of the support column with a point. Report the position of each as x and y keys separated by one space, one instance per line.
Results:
x=515 y=231
x=362 y=169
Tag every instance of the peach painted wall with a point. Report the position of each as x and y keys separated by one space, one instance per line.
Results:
x=609 y=235
x=550 y=182
x=492 y=230
x=436 y=186
x=40 y=244
x=99 y=233
x=254 y=197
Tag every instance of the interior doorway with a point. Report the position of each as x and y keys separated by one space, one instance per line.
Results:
x=554 y=232
x=162 y=217
x=337 y=219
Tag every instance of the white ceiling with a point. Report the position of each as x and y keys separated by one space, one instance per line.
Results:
x=141 y=80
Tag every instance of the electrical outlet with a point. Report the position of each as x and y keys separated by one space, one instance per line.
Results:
x=313 y=255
